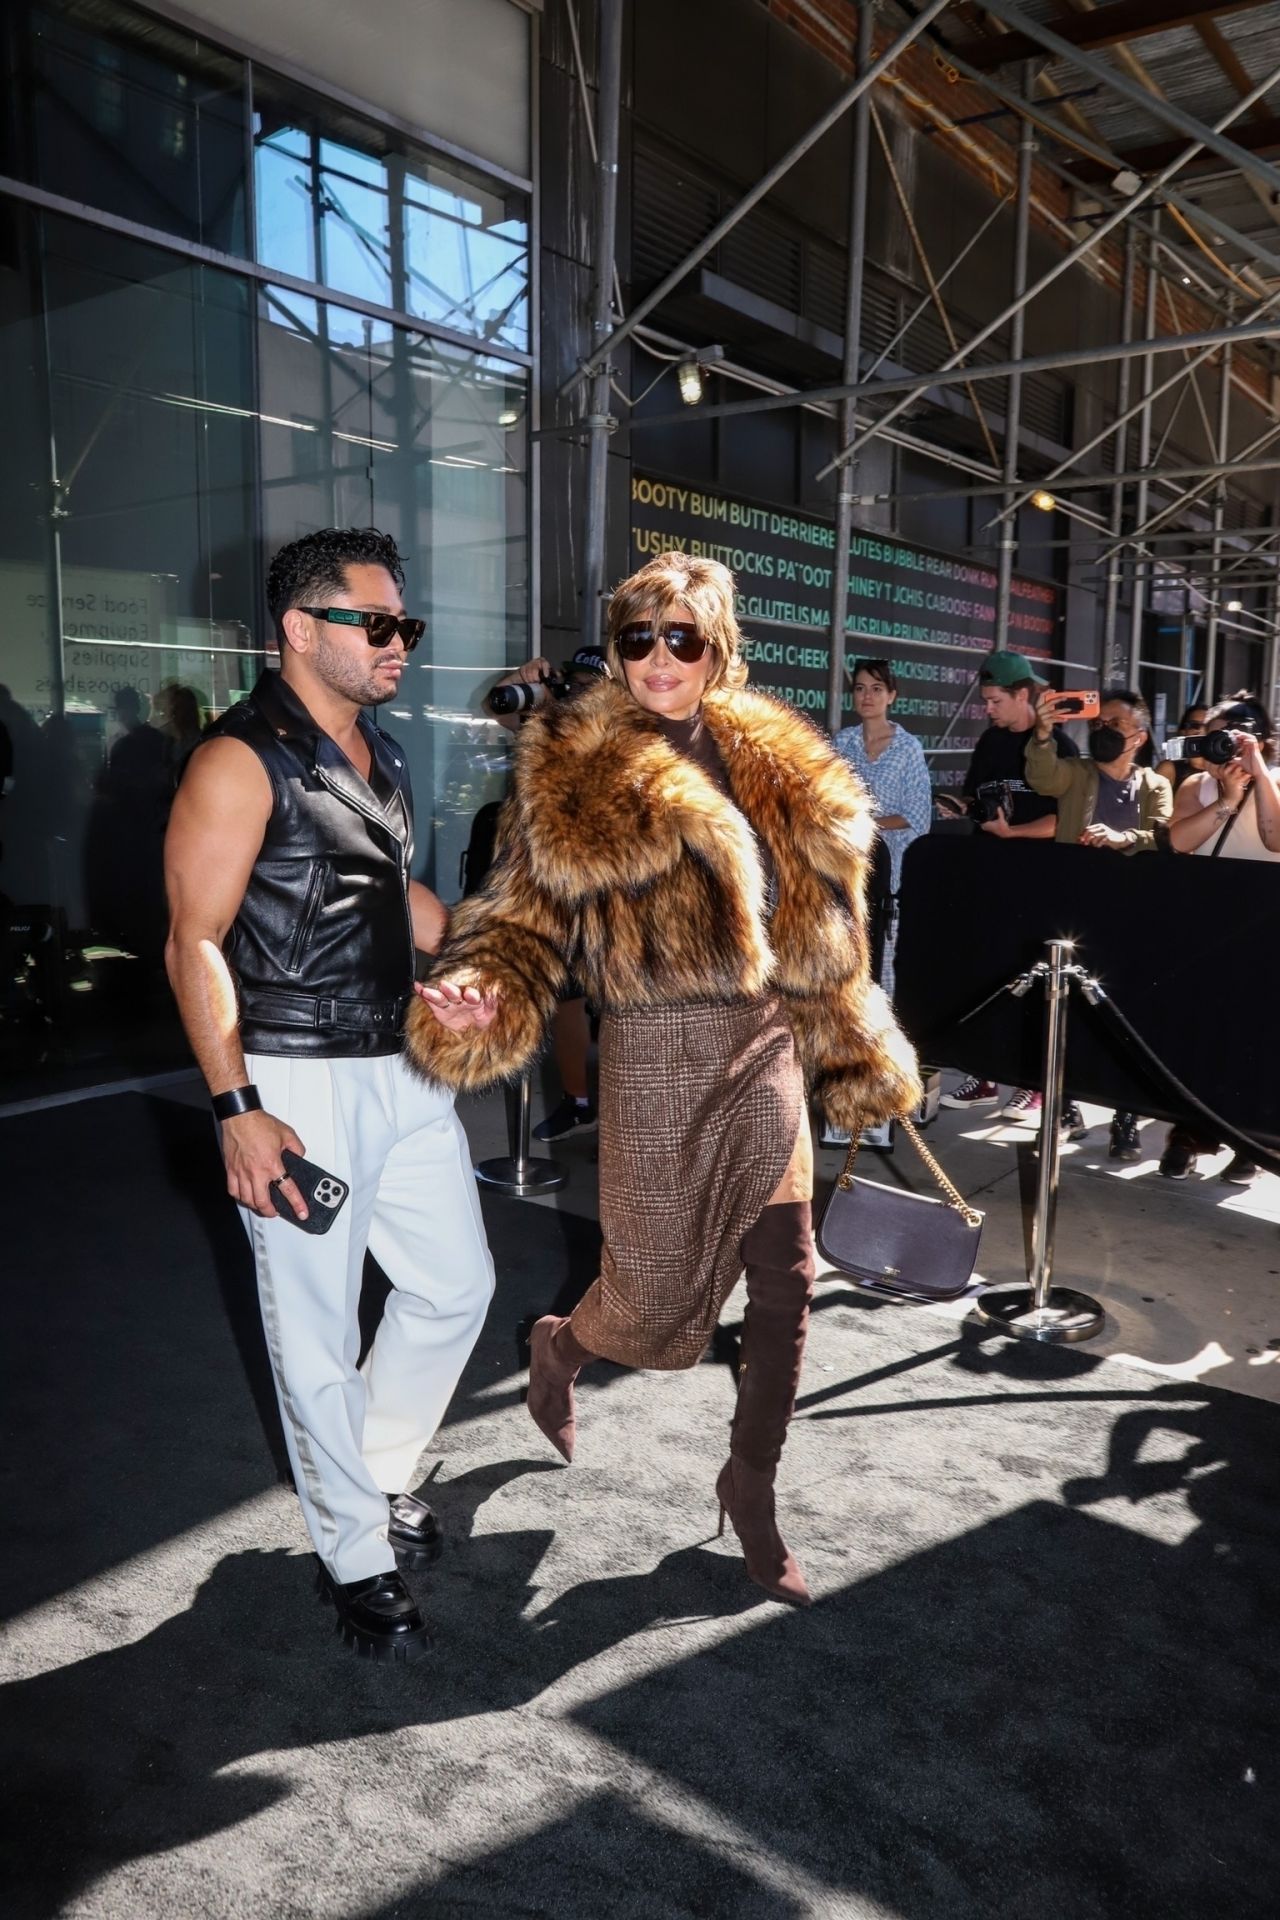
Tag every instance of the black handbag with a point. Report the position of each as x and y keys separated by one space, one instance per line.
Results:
x=905 y=1243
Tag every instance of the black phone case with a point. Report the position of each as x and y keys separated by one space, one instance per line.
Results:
x=323 y=1192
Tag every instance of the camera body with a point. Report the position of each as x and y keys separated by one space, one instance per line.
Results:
x=993 y=797
x=1216 y=749
x=524 y=696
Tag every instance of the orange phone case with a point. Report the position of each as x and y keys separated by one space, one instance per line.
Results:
x=1076 y=703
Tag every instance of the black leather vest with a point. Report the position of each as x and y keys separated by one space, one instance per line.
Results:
x=322 y=947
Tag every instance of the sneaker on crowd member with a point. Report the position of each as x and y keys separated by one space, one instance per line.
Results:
x=1074 y=1124
x=1022 y=1107
x=573 y=1115
x=1178 y=1160
x=1126 y=1143
x=972 y=1094
x=1239 y=1172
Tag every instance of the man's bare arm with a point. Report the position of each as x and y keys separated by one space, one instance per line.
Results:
x=215 y=834
x=430 y=918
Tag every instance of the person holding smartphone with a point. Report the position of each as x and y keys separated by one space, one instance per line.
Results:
x=293 y=928
x=1107 y=800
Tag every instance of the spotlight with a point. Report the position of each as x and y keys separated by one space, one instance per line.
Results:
x=1126 y=182
x=689 y=375
x=1186 y=279
x=1045 y=501
x=1235 y=606
x=508 y=417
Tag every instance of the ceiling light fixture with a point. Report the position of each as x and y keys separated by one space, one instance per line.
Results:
x=691 y=373
x=1235 y=606
x=1045 y=501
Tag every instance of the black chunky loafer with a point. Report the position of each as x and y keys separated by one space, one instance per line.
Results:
x=378 y=1618
x=413 y=1532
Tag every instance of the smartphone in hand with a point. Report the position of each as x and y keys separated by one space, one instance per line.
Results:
x=323 y=1192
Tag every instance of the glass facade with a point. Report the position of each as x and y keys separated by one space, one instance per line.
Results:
x=358 y=356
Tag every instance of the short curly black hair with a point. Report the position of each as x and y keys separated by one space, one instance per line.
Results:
x=308 y=572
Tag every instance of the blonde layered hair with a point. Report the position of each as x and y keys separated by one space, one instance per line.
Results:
x=667 y=582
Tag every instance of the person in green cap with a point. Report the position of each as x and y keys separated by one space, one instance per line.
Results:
x=1003 y=804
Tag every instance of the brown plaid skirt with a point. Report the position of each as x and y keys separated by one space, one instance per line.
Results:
x=700 y=1107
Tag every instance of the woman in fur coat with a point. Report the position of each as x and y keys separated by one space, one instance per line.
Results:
x=694 y=856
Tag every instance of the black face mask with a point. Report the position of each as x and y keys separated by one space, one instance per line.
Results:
x=1106 y=744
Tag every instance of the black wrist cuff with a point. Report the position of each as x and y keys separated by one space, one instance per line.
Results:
x=239 y=1100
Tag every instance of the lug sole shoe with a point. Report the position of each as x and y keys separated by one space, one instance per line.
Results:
x=377 y=1618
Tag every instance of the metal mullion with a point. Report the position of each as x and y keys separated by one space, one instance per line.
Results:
x=205 y=30
x=57 y=203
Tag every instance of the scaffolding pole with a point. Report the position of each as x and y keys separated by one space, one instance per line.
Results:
x=1244 y=464
x=1139 y=593
x=1240 y=159
x=1013 y=403
x=1078 y=252
x=1111 y=598
x=766 y=184
x=913 y=384
x=1221 y=450
x=851 y=367
x=609 y=90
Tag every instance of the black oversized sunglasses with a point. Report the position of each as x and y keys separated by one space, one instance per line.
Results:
x=380 y=628
x=683 y=641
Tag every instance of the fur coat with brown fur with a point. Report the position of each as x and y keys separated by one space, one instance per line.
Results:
x=619 y=865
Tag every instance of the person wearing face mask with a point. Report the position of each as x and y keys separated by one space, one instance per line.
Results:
x=697 y=854
x=1107 y=801
x=890 y=763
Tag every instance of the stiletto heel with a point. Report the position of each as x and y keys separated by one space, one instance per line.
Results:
x=746 y=1494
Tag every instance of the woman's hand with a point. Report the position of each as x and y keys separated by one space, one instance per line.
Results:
x=459 y=1008
x=1251 y=757
x=1233 y=782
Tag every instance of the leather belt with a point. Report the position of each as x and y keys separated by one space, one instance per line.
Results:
x=273 y=1008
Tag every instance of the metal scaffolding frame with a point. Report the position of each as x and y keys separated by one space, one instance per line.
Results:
x=1176 y=241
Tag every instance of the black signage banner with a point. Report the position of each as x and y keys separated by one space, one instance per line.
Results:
x=932 y=616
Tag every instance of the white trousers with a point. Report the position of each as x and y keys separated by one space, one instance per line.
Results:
x=354 y=1435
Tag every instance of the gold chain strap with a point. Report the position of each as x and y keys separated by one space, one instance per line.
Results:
x=953 y=1194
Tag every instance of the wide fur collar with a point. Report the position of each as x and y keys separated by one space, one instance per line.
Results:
x=603 y=801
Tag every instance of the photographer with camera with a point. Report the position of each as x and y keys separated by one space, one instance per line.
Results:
x=1232 y=809
x=511 y=702
x=1231 y=812
x=1106 y=801
x=1003 y=804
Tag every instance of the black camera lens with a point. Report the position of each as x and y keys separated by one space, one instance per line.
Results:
x=1218 y=748
x=514 y=699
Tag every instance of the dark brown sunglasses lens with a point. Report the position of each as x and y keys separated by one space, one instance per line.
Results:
x=635 y=642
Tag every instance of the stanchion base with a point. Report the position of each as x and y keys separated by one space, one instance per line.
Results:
x=1067 y=1316
x=521 y=1177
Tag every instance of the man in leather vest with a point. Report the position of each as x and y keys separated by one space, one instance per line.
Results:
x=293 y=927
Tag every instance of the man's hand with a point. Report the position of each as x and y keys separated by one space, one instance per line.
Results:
x=1046 y=715
x=1097 y=835
x=999 y=826
x=251 y=1144
x=459 y=1008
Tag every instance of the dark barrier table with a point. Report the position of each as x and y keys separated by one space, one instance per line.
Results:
x=1185 y=946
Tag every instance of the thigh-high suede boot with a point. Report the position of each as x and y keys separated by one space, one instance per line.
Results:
x=778 y=1255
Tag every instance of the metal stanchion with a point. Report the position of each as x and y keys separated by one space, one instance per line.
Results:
x=1043 y=1311
x=519 y=1174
